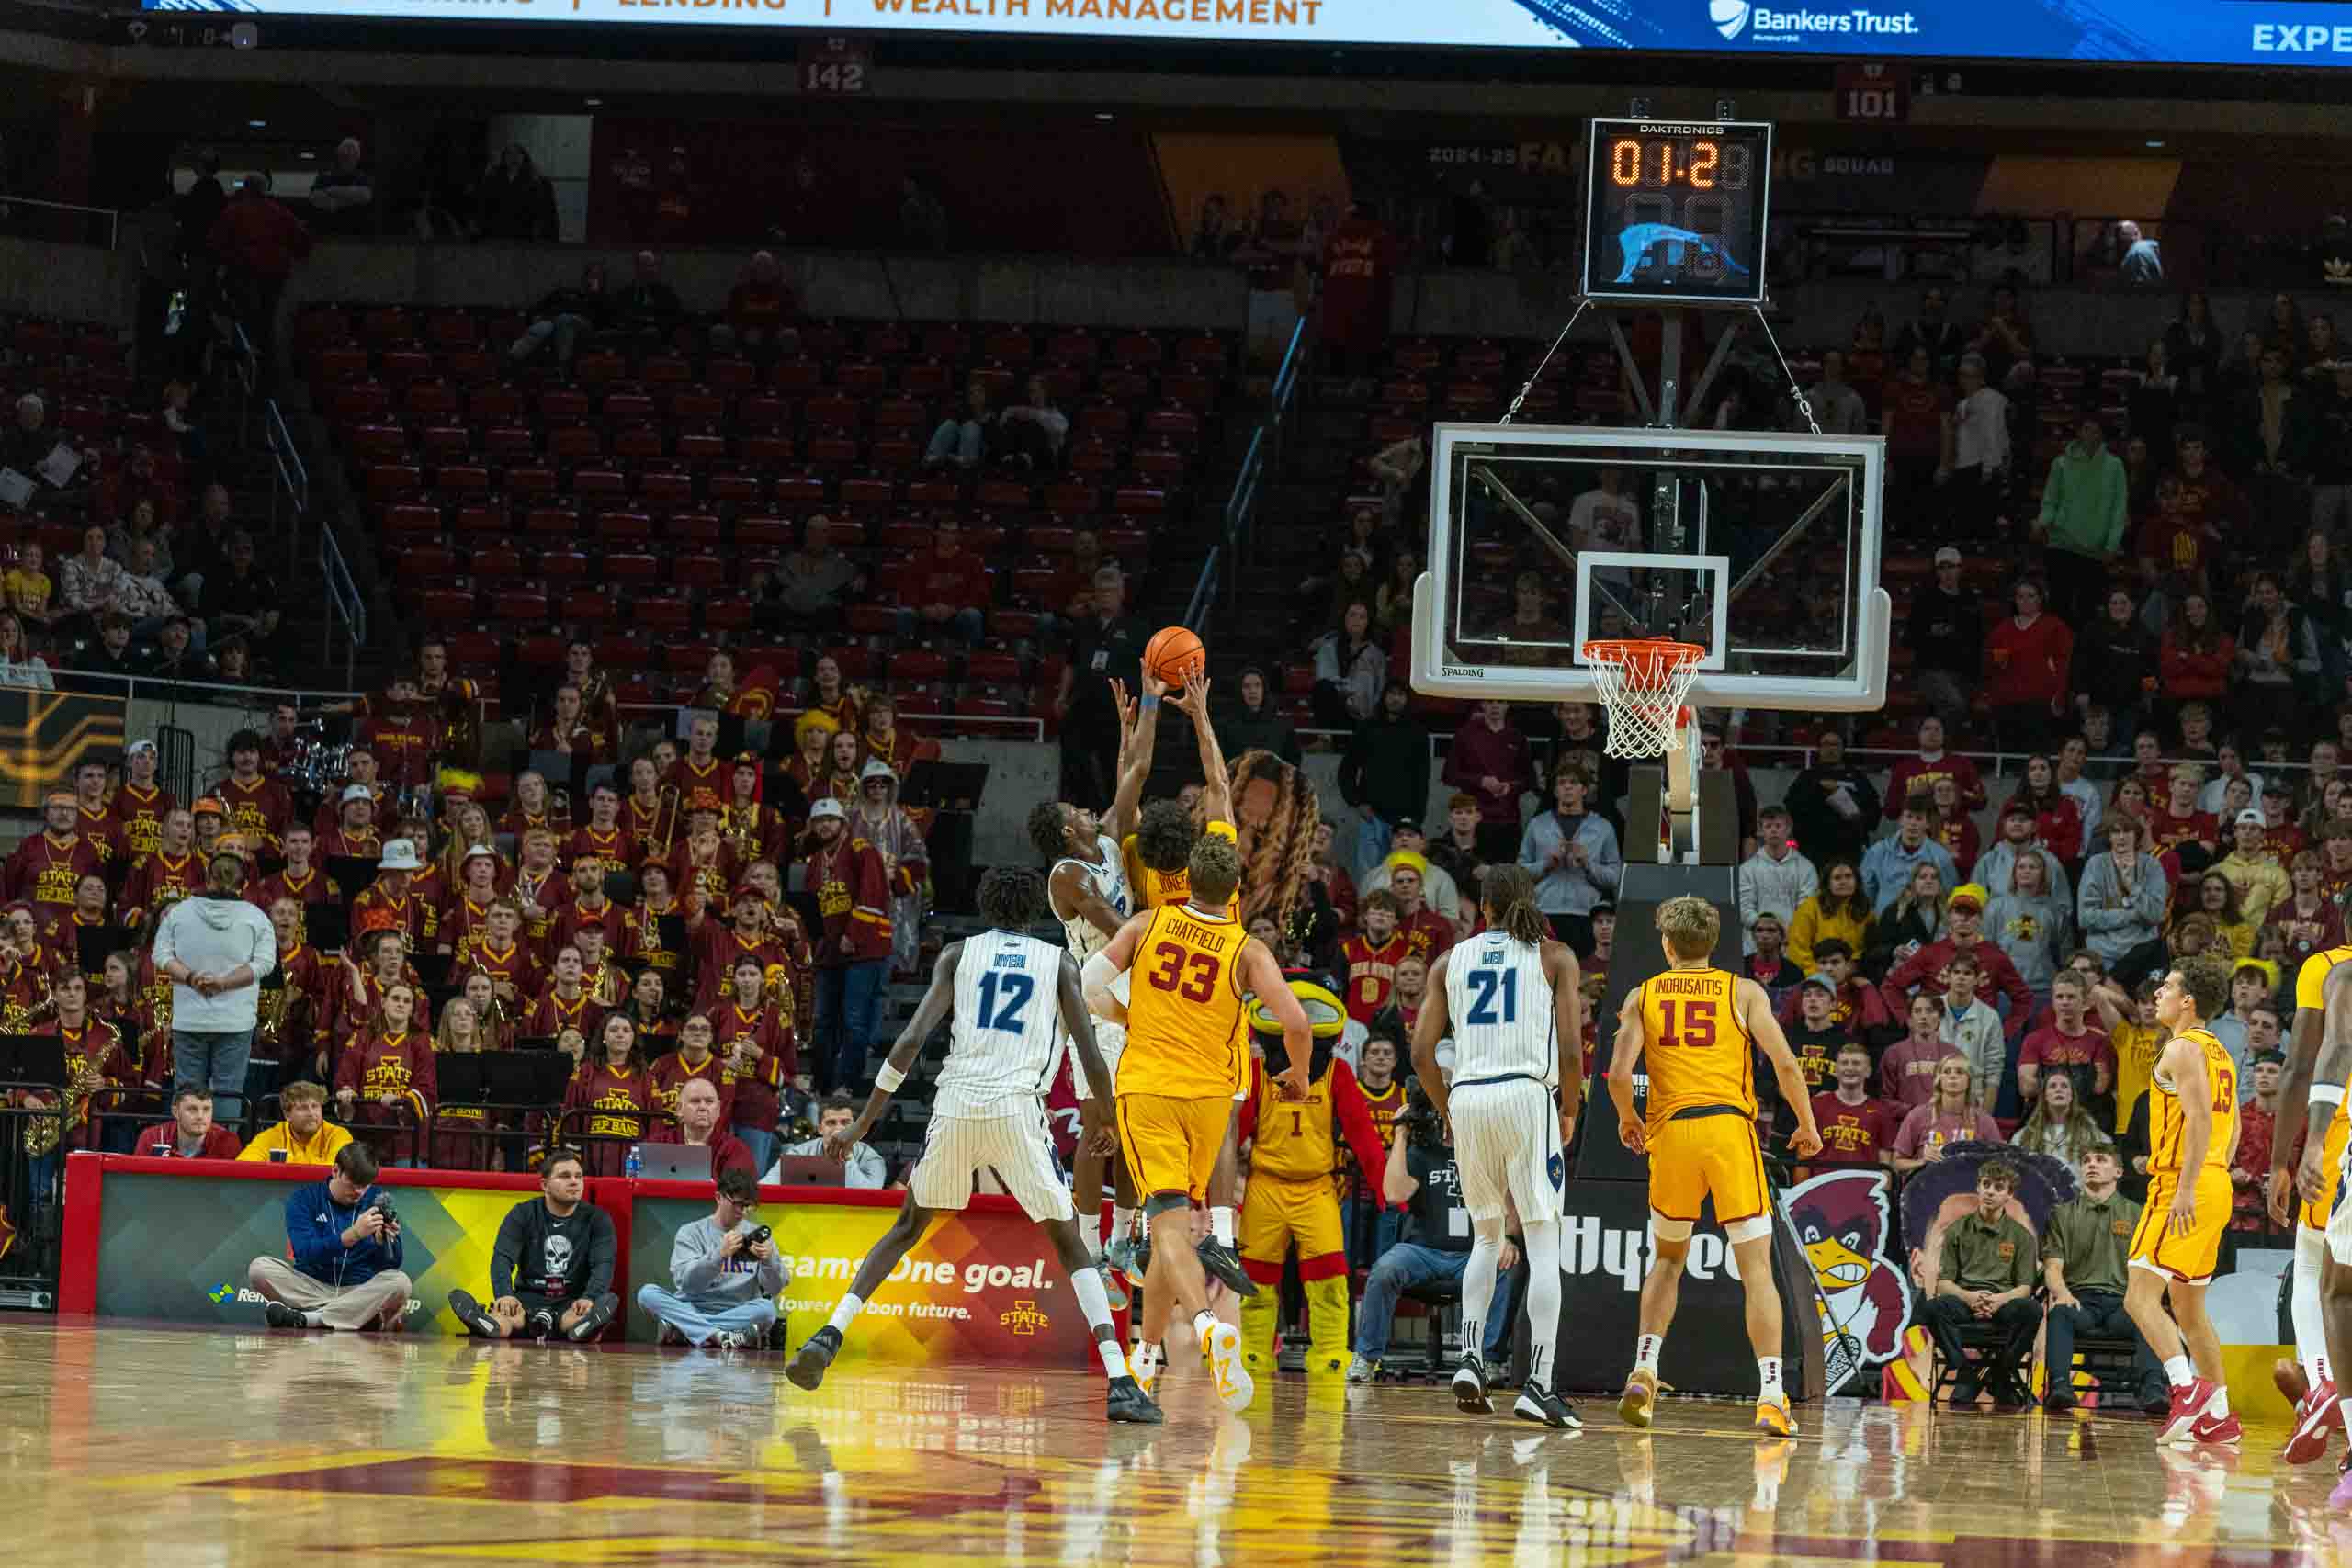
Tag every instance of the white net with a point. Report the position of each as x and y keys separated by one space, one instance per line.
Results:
x=1642 y=684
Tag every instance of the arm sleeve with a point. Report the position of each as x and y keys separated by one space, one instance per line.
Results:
x=1355 y=1122
x=1604 y=865
x=507 y=1249
x=604 y=1250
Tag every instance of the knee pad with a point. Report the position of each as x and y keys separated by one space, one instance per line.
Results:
x=1160 y=1203
x=1676 y=1230
x=1756 y=1227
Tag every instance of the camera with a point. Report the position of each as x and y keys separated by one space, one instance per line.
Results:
x=1418 y=1121
x=756 y=1235
x=383 y=1205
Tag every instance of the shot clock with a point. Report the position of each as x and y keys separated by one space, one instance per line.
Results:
x=1676 y=213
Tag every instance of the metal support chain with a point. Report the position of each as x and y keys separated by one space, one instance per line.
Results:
x=1512 y=412
x=1795 y=391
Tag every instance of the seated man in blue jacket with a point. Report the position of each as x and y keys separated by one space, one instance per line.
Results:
x=345 y=1245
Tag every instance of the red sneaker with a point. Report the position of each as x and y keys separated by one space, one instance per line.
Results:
x=2211 y=1429
x=2188 y=1402
x=2315 y=1417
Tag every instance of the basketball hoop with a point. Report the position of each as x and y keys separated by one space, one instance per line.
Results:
x=1642 y=682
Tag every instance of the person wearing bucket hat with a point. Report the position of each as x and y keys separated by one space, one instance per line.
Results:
x=354 y=834
x=853 y=948
x=45 y=868
x=215 y=948
x=466 y=915
x=882 y=822
x=394 y=893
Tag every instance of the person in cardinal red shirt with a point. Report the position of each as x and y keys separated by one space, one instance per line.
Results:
x=191 y=1133
x=704 y=861
x=589 y=908
x=1857 y=1128
x=566 y=1003
x=2175 y=822
x=394 y=895
x=160 y=880
x=94 y=820
x=404 y=735
x=700 y=768
x=45 y=868
x=756 y=829
x=566 y=733
x=2027 y=657
x=693 y=1060
x=259 y=806
x=533 y=808
x=499 y=951
x=97 y=1042
x=641 y=937
x=62 y=932
x=602 y=836
x=945 y=588
x=646 y=813
x=613 y=1088
x=1964 y=933
x=298 y=1038
x=757 y=1040
x=360 y=769
x=299 y=878
x=720 y=693
x=700 y=1108
x=1371 y=956
x=1921 y=772
x=540 y=892
x=718 y=944
x=140 y=805
x=1360 y=263
x=385 y=1077
x=281 y=748
x=852 y=952
x=466 y=915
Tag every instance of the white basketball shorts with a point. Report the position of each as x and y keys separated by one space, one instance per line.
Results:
x=1018 y=1147
x=1506 y=1141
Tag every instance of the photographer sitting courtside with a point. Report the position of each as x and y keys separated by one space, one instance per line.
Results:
x=551 y=1268
x=345 y=1242
x=723 y=1275
x=1421 y=1175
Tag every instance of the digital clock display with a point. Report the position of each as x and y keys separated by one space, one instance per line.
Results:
x=1677 y=212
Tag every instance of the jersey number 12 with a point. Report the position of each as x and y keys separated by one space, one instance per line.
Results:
x=1003 y=993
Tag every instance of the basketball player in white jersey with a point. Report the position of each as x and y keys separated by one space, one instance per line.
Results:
x=1013 y=997
x=1086 y=886
x=1512 y=999
x=2317 y=1412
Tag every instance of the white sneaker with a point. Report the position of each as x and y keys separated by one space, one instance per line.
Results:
x=728 y=1340
x=1221 y=1353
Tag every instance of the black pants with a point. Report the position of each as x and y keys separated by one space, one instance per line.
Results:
x=1498 y=841
x=2077 y=587
x=2101 y=1312
x=2014 y=1321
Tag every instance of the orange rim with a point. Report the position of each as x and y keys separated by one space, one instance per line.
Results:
x=1645 y=662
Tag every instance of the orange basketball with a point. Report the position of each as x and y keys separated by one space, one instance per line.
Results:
x=1173 y=653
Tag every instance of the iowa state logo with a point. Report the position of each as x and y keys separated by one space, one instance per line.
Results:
x=1842 y=1220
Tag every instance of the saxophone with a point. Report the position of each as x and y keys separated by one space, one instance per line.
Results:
x=276 y=1007
x=43 y=1133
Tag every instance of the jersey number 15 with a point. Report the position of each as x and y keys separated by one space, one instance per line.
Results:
x=1696 y=1029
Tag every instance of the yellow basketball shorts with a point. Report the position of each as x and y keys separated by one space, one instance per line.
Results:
x=2190 y=1257
x=1171 y=1144
x=1275 y=1212
x=1702 y=1156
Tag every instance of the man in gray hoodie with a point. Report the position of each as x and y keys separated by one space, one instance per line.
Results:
x=725 y=1275
x=215 y=949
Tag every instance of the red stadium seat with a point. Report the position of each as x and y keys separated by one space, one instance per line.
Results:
x=518 y=604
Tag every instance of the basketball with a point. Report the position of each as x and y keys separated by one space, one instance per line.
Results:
x=1174 y=653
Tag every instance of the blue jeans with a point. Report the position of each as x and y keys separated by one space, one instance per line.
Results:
x=213 y=1059
x=700 y=1325
x=1408 y=1264
x=849 y=998
x=960 y=441
x=760 y=1142
x=1371 y=843
x=964 y=623
x=1369 y=1236
x=2101 y=1312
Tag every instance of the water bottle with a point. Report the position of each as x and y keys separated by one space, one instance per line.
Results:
x=636 y=1162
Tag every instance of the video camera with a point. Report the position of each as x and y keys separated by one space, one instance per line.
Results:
x=756 y=1235
x=1418 y=1121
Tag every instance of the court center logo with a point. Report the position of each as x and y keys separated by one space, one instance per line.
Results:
x=1730 y=16
x=1843 y=1222
x=1024 y=1319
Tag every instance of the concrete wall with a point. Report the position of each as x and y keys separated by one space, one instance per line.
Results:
x=81 y=284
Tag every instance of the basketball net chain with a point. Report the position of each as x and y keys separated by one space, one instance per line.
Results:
x=1512 y=412
x=1795 y=391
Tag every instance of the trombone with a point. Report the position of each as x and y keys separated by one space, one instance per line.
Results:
x=667 y=809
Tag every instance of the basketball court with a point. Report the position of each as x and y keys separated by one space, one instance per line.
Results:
x=136 y=1445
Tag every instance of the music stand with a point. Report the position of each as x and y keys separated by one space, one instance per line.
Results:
x=327 y=927
x=33 y=1060
x=566 y=770
x=434 y=970
x=95 y=944
x=353 y=874
x=945 y=787
x=533 y=1042
x=503 y=1078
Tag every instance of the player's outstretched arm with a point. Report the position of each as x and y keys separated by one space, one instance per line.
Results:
x=1755 y=1011
x=1138 y=738
x=2295 y=1084
x=1427 y=1029
x=1105 y=968
x=1079 y=1027
x=936 y=1003
x=1560 y=967
x=1261 y=975
x=1631 y=1033
x=1217 y=784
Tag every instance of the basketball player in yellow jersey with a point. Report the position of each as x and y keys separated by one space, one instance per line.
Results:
x=1699 y=1027
x=1190 y=967
x=1156 y=853
x=2317 y=1411
x=2192 y=1134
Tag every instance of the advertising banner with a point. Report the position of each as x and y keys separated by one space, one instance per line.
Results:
x=982 y=1286
x=176 y=1247
x=2209 y=32
x=45 y=735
